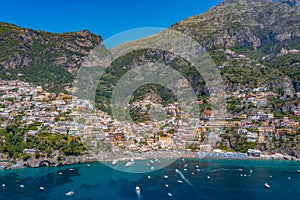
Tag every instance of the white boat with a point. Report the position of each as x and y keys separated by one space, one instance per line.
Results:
x=298 y=171
x=177 y=171
x=149 y=177
x=129 y=163
x=60 y=173
x=193 y=173
x=185 y=169
x=88 y=165
x=42 y=188
x=69 y=193
x=114 y=162
x=138 y=190
x=71 y=169
x=166 y=185
x=152 y=168
x=197 y=166
x=267 y=185
x=208 y=177
x=180 y=181
x=165 y=177
x=3 y=185
x=170 y=194
x=21 y=186
x=185 y=165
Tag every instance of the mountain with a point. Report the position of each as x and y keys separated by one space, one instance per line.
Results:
x=262 y=25
x=40 y=55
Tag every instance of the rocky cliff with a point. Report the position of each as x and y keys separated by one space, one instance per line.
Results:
x=23 y=47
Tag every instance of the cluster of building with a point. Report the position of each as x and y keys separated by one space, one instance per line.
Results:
x=58 y=114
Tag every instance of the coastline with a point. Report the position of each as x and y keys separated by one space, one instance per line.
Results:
x=71 y=160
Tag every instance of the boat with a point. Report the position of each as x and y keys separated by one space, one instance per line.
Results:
x=166 y=185
x=185 y=169
x=114 y=162
x=185 y=165
x=21 y=186
x=197 y=166
x=138 y=190
x=88 y=165
x=180 y=181
x=71 y=169
x=170 y=194
x=129 y=163
x=69 y=193
x=42 y=188
x=165 y=177
x=60 y=173
x=208 y=177
x=177 y=171
x=149 y=177
x=298 y=171
x=152 y=168
x=193 y=173
x=3 y=185
x=267 y=185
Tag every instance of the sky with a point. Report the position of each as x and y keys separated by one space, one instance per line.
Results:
x=105 y=18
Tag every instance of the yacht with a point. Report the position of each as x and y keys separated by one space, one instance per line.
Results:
x=69 y=193
x=267 y=185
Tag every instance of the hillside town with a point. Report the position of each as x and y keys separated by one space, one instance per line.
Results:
x=256 y=131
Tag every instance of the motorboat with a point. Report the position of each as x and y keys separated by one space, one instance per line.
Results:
x=22 y=186
x=149 y=177
x=129 y=163
x=138 y=190
x=170 y=194
x=267 y=185
x=180 y=181
x=69 y=193
x=165 y=177
x=114 y=162
x=166 y=185
x=42 y=188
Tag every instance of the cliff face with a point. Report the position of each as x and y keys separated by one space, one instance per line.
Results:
x=253 y=24
x=22 y=47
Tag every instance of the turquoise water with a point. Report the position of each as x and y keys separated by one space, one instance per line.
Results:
x=101 y=182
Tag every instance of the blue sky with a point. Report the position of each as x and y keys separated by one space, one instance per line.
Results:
x=105 y=18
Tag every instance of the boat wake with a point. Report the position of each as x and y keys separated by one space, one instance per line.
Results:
x=183 y=177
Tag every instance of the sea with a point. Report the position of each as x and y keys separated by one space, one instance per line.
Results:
x=204 y=179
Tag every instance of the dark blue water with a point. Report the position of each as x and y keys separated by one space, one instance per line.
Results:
x=102 y=182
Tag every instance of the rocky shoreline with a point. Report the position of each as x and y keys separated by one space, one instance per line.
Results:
x=40 y=162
